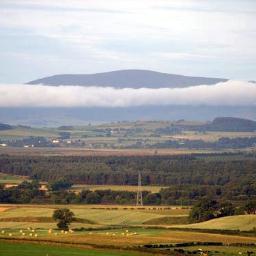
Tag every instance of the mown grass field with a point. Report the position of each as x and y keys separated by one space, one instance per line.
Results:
x=21 y=132
x=13 y=179
x=91 y=215
x=114 y=227
x=153 y=189
x=239 y=222
x=212 y=136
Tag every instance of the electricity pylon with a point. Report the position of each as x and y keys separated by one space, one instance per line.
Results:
x=139 y=201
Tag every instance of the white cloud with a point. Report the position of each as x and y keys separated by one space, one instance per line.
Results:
x=231 y=93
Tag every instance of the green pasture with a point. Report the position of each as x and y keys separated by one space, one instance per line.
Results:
x=27 y=249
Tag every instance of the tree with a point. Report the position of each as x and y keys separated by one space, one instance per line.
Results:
x=250 y=207
x=93 y=198
x=64 y=217
x=205 y=209
x=60 y=185
x=226 y=209
x=152 y=199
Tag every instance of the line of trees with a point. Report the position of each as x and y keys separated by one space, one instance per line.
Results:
x=60 y=192
x=208 y=208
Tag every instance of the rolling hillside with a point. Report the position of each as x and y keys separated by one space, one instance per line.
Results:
x=239 y=222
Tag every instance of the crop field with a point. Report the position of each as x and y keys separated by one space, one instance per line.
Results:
x=13 y=179
x=211 y=136
x=239 y=222
x=90 y=215
x=153 y=189
x=21 y=132
x=115 y=227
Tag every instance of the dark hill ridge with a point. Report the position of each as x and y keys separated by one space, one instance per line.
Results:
x=5 y=127
x=231 y=124
x=128 y=79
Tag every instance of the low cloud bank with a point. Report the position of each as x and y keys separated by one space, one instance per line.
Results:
x=231 y=93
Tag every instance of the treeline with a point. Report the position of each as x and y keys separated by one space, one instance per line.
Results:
x=188 y=177
x=60 y=192
x=29 y=192
x=212 y=169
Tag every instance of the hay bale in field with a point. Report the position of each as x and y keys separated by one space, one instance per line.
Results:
x=2 y=231
x=10 y=234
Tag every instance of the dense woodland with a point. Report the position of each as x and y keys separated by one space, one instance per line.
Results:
x=188 y=177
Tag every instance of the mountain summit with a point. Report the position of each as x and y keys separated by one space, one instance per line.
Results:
x=128 y=79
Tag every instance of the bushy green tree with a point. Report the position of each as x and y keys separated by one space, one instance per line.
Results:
x=64 y=217
x=203 y=210
x=250 y=207
x=61 y=184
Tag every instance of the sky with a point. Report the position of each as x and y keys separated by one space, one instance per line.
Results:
x=210 y=38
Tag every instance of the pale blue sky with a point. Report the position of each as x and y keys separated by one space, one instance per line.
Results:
x=192 y=37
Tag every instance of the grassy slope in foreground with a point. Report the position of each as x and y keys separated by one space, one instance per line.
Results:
x=26 y=249
x=239 y=222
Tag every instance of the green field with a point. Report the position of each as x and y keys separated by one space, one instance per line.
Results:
x=27 y=249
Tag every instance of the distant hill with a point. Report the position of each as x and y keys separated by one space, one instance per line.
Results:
x=128 y=79
x=231 y=124
x=5 y=127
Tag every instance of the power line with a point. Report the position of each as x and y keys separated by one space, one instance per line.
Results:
x=139 y=201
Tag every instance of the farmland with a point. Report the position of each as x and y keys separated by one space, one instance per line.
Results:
x=239 y=222
x=25 y=249
x=12 y=179
x=153 y=189
x=99 y=226
x=172 y=136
